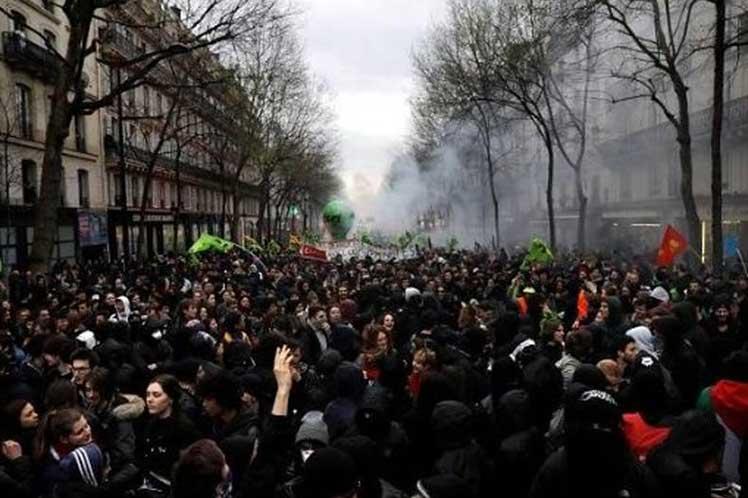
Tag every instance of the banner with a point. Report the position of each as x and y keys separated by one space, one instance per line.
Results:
x=92 y=228
x=312 y=253
x=673 y=245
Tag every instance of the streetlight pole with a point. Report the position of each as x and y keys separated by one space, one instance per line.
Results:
x=123 y=178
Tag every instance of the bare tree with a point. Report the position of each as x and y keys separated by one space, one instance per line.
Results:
x=216 y=25
x=654 y=41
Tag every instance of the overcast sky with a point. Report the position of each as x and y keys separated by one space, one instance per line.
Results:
x=362 y=48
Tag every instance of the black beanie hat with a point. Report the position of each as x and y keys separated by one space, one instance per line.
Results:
x=329 y=472
x=593 y=409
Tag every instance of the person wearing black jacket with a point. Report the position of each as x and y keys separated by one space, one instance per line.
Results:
x=166 y=434
x=688 y=461
x=221 y=395
x=594 y=462
x=680 y=358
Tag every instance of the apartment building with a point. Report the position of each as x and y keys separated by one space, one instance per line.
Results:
x=194 y=161
x=30 y=37
x=195 y=184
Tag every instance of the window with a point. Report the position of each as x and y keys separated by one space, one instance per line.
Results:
x=19 y=22
x=83 y=192
x=115 y=194
x=135 y=190
x=161 y=194
x=159 y=103
x=28 y=178
x=146 y=101
x=80 y=133
x=625 y=194
x=654 y=181
x=23 y=111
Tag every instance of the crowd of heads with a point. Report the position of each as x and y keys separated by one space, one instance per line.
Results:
x=460 y=374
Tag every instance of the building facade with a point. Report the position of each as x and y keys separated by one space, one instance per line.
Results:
x=30 y=37
x=195 y=184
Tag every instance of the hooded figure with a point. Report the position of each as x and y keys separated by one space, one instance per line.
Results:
x=522 y=447
x=459 y=454
x=686 y=462
x=328 y=473
x=350 y=385
x=687 y=313
x=616 y=323
x=595 y=462
x=644 y=339
x=121 y=310
x=728 y=400
x=680 y=358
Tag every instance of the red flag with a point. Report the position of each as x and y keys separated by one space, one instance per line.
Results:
x=673 y=245
x=583 y=306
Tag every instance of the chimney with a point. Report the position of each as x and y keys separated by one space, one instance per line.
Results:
x=176 y=11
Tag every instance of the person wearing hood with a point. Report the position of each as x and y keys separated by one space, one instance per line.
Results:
x=350 y=385
x=680 y=359
x=121 y=310
x=728 y=400
x=457 y=452
x=367 y=457
x=613 y=316
x=328 y=473
x=435 y=387
x=648 y=425
x=521 y=448
x=594 y=461
x=688 y=461
x=645 y=340
x=688 y=314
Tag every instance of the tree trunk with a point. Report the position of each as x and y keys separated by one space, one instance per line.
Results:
x=582 y=222
x=686 y=166
x=48 y=203
x=223 y=203
x=718 y=99
x=178 y=210
x=486 y=132
x=235 y=222
x=549 y=190
x=57 y=130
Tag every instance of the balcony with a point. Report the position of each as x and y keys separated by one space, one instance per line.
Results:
x=118 y=48
x=25 y=55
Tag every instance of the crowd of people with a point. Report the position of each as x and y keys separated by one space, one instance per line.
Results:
x=450 y=375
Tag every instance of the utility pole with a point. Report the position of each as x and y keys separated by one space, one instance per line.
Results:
x=123 y=178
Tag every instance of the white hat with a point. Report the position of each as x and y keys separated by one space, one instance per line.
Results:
x=660 y=294
x=410 y=293
x=87 y=338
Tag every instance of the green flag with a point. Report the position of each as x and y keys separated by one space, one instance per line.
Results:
x=208 y=242
x=538 y=253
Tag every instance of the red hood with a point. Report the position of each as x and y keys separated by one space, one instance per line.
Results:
x=730 y=402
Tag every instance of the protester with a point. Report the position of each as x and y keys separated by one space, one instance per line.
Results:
x=449 y=374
